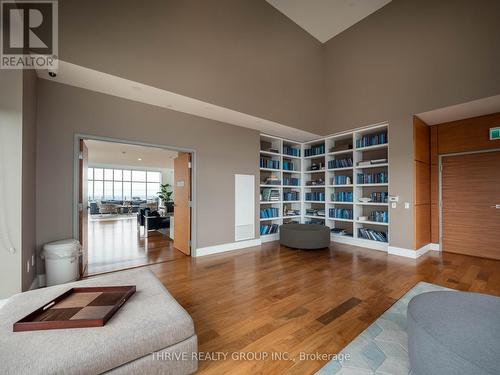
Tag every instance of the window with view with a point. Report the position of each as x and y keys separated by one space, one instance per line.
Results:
x=122 y=184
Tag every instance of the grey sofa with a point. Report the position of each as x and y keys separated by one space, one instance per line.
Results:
x=305 y=236
x=141 y=337
x=454 y=333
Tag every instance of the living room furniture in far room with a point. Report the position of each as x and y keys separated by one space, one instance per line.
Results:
x=305 y=236
x=152 y=220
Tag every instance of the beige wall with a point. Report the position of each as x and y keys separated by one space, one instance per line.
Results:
x=221 y=151
x=11 y=124
x=28 y=177
x=240 y=54
x=410 y=57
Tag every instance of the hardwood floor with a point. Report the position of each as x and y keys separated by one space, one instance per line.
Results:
x=275 y=299
x=115 y=245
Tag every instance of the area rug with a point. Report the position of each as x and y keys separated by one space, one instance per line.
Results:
x=383 y=347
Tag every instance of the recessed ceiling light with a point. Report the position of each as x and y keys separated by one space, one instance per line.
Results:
x=139 y=159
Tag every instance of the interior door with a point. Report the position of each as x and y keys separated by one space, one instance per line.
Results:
x=470 y=194
x=182 y=202
x=82 y=206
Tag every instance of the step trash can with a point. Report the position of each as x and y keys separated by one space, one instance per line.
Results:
x=61 y=261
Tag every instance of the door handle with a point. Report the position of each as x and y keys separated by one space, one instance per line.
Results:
x=497 y=206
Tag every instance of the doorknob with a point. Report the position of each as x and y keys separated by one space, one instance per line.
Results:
x=497 y=206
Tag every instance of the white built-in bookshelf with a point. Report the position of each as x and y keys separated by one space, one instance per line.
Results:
x=329 y=187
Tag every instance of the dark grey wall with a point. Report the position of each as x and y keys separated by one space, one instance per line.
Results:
x=221 y=151
x=28 y=229
x=410 y=57
x=240 y=54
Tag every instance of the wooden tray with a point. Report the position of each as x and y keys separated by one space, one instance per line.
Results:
x=77 y=308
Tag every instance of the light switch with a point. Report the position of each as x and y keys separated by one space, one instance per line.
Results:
x=394 y=204
x=407 y=205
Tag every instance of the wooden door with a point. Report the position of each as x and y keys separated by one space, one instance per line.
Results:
x=470 y=195
x=83 y=206
x=182 y=202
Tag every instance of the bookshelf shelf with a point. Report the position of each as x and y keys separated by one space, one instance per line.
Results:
x=270 y=218
x=339 y=219
x=374 y=147
x=340 y=169
x=372 y=204
x=363 y=185
x=340 y=152
x=335 y=147
x=371 y=222
x=373 y=166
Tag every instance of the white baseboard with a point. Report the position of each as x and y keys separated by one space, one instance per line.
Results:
x=202 y=251
x=374 y=245
x=435 y=247
x=409 y=253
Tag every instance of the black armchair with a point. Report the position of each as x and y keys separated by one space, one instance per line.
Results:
x=151 y=220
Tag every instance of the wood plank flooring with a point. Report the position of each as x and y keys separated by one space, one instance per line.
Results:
x=116 y=244
x=274 y=299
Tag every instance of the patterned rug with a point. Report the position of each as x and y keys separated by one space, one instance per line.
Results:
x=382 y=348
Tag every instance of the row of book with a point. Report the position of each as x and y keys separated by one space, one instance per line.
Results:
x=292 y=151
x=315 y=212
x=342 y=196
x=373 y=178
x=372 y=139
x=317 y=182
x=315 y=196
x=370 y=234
x=379 y=216
x=340 y=163
x=315 y=150
x=341 y=180
x=269 y=212
x=268 y=229
x=289 y=165
x=291 y=196
x=290 y=212
x=379 y=196
x=269 y=163
x=314 y=221
x=269 y=195
x=291 y=181
x=341 y=213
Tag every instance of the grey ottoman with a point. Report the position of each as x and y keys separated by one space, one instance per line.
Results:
x=150 y=322
x=453 y=333
x=305 y=236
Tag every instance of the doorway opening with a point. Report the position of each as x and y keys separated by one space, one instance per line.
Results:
x=134 y=204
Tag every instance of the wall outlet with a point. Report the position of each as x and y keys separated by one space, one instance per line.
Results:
x=394 y=204
x=407 y=205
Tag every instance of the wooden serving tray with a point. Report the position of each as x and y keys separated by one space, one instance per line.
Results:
x=77 y=308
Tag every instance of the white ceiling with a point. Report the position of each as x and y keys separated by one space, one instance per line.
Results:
x=79 y=76
x=324 y=19
x=462 y=111
x=119 y=154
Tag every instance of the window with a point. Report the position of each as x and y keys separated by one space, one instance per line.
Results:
x=122 y=184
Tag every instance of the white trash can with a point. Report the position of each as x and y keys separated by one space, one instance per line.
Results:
x=61 y=261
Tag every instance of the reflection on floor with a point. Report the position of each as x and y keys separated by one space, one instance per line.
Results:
x=116 y=245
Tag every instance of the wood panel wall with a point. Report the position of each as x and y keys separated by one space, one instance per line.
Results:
x=466 y=135
x=422 y=183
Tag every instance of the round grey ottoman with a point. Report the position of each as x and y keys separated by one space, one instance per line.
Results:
x=454 y=333
x=305 y=236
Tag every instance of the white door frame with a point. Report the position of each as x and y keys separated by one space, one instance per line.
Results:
x=76 y=178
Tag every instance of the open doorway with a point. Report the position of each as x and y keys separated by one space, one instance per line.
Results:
x=134 y=205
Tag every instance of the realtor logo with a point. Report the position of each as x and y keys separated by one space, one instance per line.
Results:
x=29 y=38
